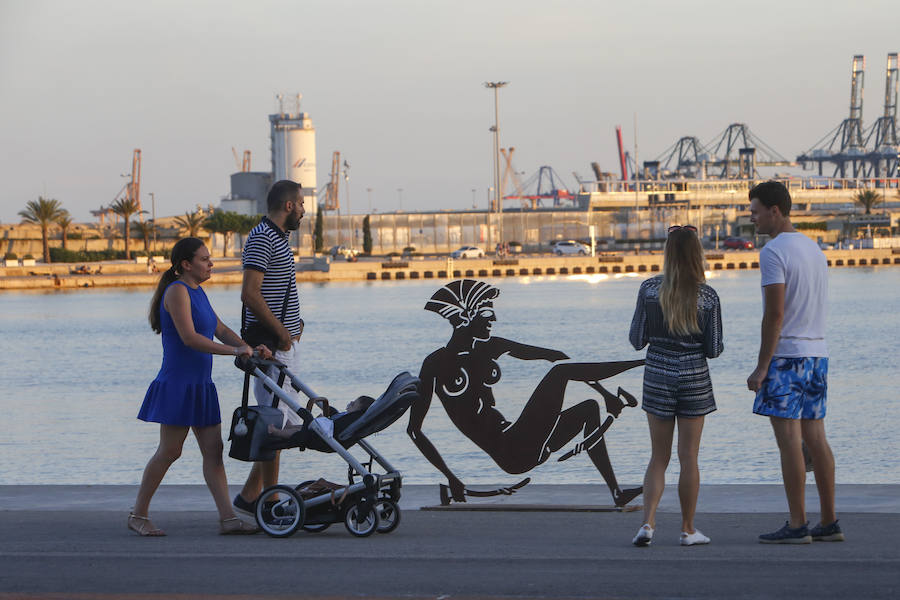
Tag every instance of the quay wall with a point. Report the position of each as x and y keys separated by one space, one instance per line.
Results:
x=320 y=270
x=575 y=265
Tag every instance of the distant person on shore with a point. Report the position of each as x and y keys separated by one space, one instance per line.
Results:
x=791 y=375
x=183 y=396
x=679 y=316
x=271 y=309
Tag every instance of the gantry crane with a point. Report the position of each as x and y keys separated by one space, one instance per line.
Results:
x=851 y=150
x=886 y=146
x=332 y=199
x=509 y=172
x=243 y=164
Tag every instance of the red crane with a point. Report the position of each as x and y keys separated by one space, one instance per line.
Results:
x=134 y=187
x=621 y=153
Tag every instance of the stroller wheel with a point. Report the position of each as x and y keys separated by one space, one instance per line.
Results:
x=388 y=515
x=358 y=525
x=279 y=511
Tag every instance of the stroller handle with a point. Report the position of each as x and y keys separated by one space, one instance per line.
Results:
x=254 y=365
x=249 y=364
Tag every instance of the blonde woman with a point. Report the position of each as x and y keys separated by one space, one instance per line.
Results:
x=679 y=316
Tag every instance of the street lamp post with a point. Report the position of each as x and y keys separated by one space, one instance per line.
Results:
x=153 y=214
x=498 y=191
x=349 y=212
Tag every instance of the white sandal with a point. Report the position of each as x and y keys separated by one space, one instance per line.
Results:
x=235 y=526
x=143 y=526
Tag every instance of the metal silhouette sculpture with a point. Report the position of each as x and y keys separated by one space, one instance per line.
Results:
x=463 y=373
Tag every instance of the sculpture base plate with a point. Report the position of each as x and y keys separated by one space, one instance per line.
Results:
x=515 y=507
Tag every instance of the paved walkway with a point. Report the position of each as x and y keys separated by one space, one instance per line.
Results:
x=71 y=542
x=713 y=498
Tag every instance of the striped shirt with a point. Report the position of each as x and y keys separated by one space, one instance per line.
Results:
x=267 y=251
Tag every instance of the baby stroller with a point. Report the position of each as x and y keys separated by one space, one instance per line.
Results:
x=368 y=503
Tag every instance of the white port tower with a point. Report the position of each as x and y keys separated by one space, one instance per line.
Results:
x=294 y=147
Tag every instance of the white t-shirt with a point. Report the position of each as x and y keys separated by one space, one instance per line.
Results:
x=796 y=261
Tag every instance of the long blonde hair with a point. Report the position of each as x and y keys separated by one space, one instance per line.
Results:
x=682 y=275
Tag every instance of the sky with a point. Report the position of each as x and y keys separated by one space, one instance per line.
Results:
x=397 y=87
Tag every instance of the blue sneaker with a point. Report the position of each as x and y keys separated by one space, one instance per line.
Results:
x=827 y=533
x=786 y=535
x=244 y=507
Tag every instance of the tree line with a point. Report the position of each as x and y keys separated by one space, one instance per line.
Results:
x=48 y=213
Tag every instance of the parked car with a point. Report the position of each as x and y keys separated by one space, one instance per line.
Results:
x=570 y=247
x=468 y=252
x=737 y=243
x=348 y=253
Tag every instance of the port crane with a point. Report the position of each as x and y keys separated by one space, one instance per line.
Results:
x=132 y=189
x=686 y=158
x=846 y=148
x=545 y=185
x=736 y=152
x=622 y=164
x=332 y=199
x=510 y=173
x=885 y=151
x=243 y=164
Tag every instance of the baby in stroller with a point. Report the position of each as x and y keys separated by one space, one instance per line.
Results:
x=354 y=406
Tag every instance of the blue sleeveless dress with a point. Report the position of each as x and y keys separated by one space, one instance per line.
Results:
x=183 y=392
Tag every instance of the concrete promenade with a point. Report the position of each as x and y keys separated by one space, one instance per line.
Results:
x=71 y=542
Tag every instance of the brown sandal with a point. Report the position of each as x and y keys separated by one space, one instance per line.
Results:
x=143 y=526
x=235 y=526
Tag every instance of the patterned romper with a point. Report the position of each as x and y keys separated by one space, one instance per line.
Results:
x=676 y=376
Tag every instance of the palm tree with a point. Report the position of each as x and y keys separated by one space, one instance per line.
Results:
x=224 y=222
x=192 y=222
x=64 y=222
x=43 y=212
x=125 y=208
x=867 y=199
x=145 y=229
x=246 y=223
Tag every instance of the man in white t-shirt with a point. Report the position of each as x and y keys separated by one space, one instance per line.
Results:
x=791 y=375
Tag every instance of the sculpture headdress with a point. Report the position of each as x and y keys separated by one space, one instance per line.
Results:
x=459 y=300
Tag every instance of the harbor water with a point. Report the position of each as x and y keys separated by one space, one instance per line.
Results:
x=75 y=365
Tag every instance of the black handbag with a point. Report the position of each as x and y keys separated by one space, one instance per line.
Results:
x=249 y=433
x=257 y=333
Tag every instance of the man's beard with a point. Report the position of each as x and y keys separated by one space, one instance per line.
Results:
x=292 y=222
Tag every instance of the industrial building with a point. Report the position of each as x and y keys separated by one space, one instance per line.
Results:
x=293 y=156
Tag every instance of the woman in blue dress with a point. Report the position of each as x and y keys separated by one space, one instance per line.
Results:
x=183 y=396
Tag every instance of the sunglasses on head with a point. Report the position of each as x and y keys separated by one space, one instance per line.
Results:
x=677 y=227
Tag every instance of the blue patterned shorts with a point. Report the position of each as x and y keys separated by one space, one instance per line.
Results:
x=794 y=388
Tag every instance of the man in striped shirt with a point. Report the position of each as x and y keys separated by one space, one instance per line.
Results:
x=269 y=294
